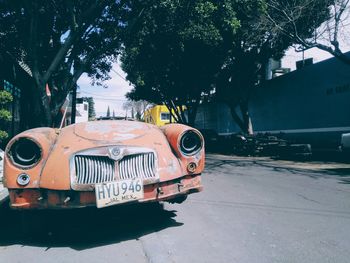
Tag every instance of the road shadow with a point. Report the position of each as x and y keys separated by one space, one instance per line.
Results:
x=212 y=163
x=338 y=171
x=226 y=166
x=84 y=228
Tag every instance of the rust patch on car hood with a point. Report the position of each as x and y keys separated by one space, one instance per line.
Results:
x=111 y=131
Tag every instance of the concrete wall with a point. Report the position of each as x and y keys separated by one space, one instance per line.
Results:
x=310 y=105
x=82 y=112
x=317 y=96
x=217 y=117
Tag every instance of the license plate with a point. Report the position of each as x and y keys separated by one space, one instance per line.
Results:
x=113 y=193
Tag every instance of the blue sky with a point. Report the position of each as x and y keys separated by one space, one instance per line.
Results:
x=113 y=96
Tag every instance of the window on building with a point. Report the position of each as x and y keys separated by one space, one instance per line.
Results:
x=164 y=116
x=85 y=107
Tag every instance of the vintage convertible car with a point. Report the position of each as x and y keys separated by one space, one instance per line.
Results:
x=103 y=163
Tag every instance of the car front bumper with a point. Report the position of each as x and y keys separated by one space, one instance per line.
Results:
x=58 y=199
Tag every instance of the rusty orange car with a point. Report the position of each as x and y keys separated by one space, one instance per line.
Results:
x=103 y=163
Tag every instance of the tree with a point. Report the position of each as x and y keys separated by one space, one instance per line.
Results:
x=59 y=40
x=253 y=44
x=5 y=115
x=108 y=114
x=173 y=49
x=178 y=53
x=137 y=107
x=289 y=17
x=244 y=66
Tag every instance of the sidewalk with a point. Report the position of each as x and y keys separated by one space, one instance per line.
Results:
x=4 y=194
x=3 y=191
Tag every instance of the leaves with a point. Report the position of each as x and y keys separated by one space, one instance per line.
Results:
x=173 y=51
x=179 y=52
x=5 y=97
x=5 y=115
x=3 y=135
x=59 y=40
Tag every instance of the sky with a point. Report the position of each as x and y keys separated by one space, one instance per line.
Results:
x=292 y=56
x=318 y=55
x=113 y=96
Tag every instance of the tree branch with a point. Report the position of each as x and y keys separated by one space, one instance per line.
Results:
x=73 y=34
x=33 y=41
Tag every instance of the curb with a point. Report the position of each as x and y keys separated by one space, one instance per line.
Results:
x=4 y=195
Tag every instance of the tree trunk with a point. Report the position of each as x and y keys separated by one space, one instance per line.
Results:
x=342 y=57
x=247 y=122
x=74 y=104
x=42 y=111
x=244 y=122
x=235 y=117
x=192 y=113
x=182 y=112
x=177 y=111
x=172 y=114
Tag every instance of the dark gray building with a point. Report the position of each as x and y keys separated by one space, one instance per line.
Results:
x=309 y=105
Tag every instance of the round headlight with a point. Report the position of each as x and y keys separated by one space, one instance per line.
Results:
x=190 y=143
x=25 y=152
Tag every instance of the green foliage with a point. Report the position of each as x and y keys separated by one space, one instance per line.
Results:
x=174 y=49
x=5 y=97
x=5 y=115
x=59 y=41
x=3 y=135
x=175 y=52
x=254 y=43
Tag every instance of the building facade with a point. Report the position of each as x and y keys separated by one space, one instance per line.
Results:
x=309 y=105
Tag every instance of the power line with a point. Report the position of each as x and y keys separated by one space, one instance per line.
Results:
x=106 y=99
x=107 y=96
x=120 y=75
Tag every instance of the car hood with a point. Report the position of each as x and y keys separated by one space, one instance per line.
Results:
x=84 y=136
x=112 y=131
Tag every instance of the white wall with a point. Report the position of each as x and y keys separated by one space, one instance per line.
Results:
x=82 y=114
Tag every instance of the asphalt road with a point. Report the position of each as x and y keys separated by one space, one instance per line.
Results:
x=252 y=210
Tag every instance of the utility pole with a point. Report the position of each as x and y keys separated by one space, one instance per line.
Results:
x=74 y=104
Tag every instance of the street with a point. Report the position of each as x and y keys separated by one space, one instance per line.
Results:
x=251 y=210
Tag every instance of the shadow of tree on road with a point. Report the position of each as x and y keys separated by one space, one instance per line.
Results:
x=227 y=165
x=83 y=228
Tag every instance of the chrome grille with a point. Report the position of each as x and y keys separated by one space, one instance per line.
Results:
x=137 y=166
x=94 y=169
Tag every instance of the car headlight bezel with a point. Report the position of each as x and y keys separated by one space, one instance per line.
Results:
x=190 y=143
x=25 y=152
